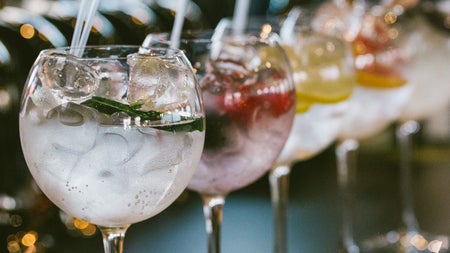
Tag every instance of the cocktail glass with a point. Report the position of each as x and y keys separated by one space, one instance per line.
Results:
x=324 y=77
x=249 y=96
x=429 y=76
x=323 y=74
x=114 y=136
x=382 y=50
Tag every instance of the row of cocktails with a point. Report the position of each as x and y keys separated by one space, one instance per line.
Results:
x=114 y=136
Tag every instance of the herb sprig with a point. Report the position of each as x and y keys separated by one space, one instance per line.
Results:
x=108 y=106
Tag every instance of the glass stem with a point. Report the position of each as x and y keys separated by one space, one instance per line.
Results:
x=405 y=132
x=212 y=210
x=113 y=238
x=279 y=188
x=346 y=155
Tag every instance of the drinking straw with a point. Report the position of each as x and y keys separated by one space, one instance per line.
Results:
x=178 y=24
x=87 y=26
x=83 y=25
x=78 y=25
x=286 y=30
x=240 y=16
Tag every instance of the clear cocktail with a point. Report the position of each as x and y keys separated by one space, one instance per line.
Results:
x=112 y=137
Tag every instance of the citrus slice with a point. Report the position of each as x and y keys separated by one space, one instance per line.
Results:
x=323 y=91
x=303 y=103
x=302 y=108
x=321 y=72
x=379 y=77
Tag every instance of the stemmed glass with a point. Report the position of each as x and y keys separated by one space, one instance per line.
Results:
x=323 y=74
x=429 y=76
x=381 y=50
x=324 y=78
x=249 y=96
x=249 y=93
x=114 y=136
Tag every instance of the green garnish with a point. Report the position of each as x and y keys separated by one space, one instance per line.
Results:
x=108 y=106
x=193 y=125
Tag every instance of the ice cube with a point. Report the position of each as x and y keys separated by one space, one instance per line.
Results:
x=44 y=99
x=164 y=157
x=159 y=84
x=337 y=19
x=73 y=127
x=73 y=79
x=103 y=164
x=121 y=118
x=113 y=79
x=167 y=159
x=230 y=74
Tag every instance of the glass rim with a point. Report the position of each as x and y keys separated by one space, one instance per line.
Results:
x=187 y=36
x=250 y=34
x=151 y=51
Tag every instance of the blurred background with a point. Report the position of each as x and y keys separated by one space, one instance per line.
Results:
x=31 y=223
